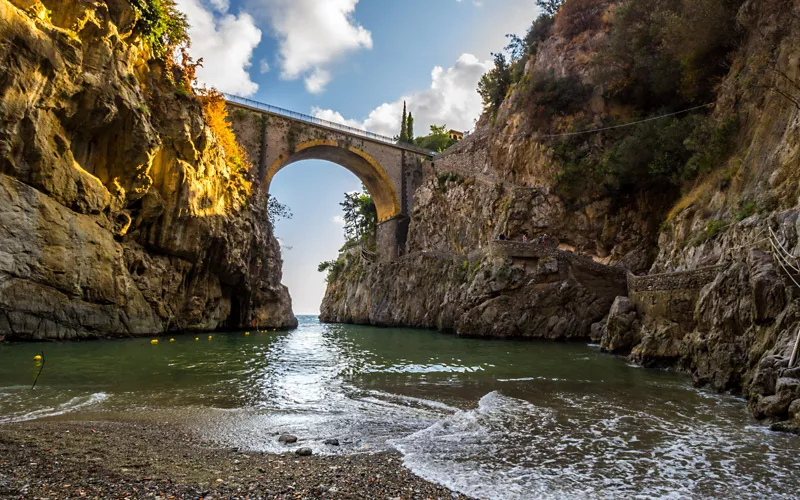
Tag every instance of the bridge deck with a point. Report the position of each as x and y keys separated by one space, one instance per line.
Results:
x=336 y=127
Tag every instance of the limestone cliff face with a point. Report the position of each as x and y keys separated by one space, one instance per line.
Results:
x=733 y=332
x=739 y=332
x=486 y=295
x=118 y=212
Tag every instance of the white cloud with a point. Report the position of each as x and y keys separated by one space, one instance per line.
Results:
x=452 y=99
x=488 y=30
x=225 y=42
x=316 y=81
x=312 y=35
x=338 y=220
x=264 y=66
x=220 y=5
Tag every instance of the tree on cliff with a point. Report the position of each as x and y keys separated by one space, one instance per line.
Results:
x=360 y=222
x=410 y=129
x=550 y=7
x=437 y=140
x=403 y=125
x=494 y=85
x=360 y=218
x=161 y=25
x=277 y=210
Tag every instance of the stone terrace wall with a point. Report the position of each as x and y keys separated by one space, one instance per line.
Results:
x=671 y=296
x=685 y=280
x=469 y=158
x=516 y=249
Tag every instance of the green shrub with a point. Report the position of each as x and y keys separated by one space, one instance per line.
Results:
x=653 y=152
x=661 y=152
x=163 y=27
x=667 y=52
x=700 y=34
x=494 y=85
x=333 y=267
x=712 y=229
x=443 y=179
x=712 y=146
x=545 y=96
x=538 y=33
x=577 y=16
x=437 y=140
x=183 y=92
x=746 y=210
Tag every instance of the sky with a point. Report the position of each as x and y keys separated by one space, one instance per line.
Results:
x=353 y=62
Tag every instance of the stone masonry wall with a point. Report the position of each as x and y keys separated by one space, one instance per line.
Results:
x=282 y=136
x=514 y=249
x=670 y=296
x=684 y=280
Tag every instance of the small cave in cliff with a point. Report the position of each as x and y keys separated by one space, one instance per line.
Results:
x=239 y=307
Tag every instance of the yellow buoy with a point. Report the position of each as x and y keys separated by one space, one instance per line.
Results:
x=246 y=334
x=154 y=341
x=37 y=358
x=196 y=339
x=210 y=337
x=172 y=340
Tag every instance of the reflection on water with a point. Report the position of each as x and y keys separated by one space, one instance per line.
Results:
x=498 y=419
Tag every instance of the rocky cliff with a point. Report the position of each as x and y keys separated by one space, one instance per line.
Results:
x=503 y=293
x=653 y=199
x=119 y=212
x=738 y=333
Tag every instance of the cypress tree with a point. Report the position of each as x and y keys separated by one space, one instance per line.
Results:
x=403 y=123
x=410 y=129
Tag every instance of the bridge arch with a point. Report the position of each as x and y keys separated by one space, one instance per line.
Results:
x=276 y=138
x=362 y=164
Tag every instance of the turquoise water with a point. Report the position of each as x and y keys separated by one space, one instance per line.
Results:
x=497 y=419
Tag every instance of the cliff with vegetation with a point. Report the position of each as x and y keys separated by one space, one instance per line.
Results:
x=657 y=136
x=126 y=207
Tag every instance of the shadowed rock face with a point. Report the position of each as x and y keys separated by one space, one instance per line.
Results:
x=732 y=330
x=118 y=213
x=488 y=296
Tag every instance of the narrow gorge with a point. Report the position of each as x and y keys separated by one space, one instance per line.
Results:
x=593 y=293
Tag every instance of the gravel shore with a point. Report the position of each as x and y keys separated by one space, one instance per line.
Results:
x=106 y=459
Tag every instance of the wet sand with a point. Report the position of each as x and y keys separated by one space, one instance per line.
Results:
x=112 y=459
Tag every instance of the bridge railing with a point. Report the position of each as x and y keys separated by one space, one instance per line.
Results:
x=325 y=123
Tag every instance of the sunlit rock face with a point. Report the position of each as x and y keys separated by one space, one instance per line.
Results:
x=118 y=213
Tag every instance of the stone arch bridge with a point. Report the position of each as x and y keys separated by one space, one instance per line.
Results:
x=275 y=138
